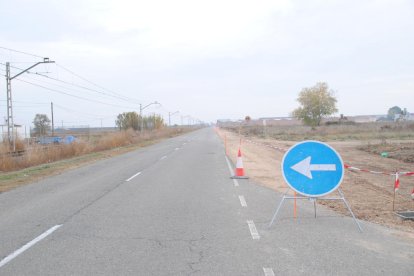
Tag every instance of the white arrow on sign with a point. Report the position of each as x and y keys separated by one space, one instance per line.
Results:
x=305 y=167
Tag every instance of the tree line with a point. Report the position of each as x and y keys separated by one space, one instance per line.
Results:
x=132 y=120
x=124 y=121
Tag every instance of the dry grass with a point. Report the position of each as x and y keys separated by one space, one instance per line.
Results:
x=35 y=155
x=356 y=131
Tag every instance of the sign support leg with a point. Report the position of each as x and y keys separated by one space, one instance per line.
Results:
x=278 y=208
x=349 y=209
x=342 y=197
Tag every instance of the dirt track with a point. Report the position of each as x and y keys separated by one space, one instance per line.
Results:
x=370 y=195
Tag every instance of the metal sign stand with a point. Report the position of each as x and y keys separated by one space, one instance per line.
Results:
x=341 y=197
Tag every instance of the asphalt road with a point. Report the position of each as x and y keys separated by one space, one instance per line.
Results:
x=171 y=209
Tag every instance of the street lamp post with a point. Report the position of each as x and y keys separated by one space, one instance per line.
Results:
x=140 y=112
x=169 y=116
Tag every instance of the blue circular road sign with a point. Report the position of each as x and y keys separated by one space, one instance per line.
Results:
x=312 y=168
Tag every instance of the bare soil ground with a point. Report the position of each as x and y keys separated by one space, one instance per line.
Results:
x=403 y=151
x=370 y=195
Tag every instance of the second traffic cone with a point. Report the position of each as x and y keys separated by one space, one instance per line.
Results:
x=239 y=171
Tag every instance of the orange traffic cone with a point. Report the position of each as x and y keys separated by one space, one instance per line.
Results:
x=239 y=171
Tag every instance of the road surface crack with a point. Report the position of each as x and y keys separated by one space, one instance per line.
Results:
x=193 y=247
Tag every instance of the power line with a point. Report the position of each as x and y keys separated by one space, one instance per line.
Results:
x=82 y=78
x=24 y=62
x=64 y=87
x=65 y=82
x=120 y=97
x=110 y=93
x=25 y=102
x=25 y=106
x=68 y=94
x=83 y=87
x=20 y=52
x=73 y=73
x=77 y=112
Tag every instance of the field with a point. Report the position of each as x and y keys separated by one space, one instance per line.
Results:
x=39 y=161
x=360 y=145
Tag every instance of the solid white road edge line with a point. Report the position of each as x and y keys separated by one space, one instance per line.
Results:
x=268 y=271
x=236 y=183
x=253 y=230
x=28 y=245
x=242 y=201
x=132 y=177
x=162 y=158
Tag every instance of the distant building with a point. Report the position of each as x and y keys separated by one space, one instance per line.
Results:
x=365 y=118
x=278 y=121
x=223 y=121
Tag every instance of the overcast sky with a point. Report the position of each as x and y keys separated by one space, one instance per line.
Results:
x=207 y=59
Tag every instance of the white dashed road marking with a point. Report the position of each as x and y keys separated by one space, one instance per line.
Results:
x=242 y=201
x=28 y=245
x=253 y=230
x=132 y=177
x=268 y=271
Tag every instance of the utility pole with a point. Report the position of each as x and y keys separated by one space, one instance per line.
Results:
x=9 y=78
x=53 y=122
x=10 y=123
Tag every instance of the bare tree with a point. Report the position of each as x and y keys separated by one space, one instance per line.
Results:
x=41 y=124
